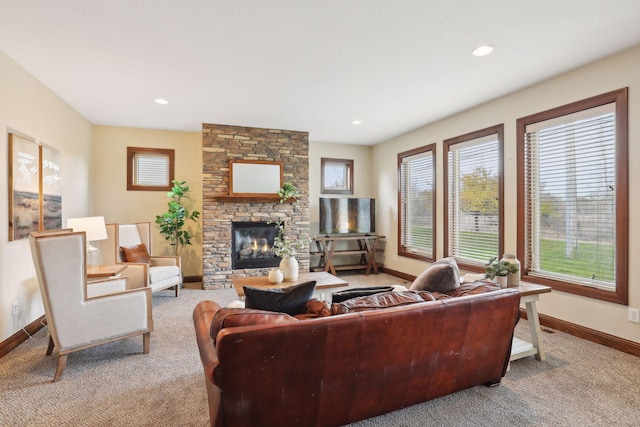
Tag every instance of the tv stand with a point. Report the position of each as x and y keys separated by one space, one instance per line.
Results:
x=367 y=245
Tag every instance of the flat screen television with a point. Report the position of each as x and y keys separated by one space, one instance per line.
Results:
x=347 y=215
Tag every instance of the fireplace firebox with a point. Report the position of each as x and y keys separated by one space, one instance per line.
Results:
x=251 y=244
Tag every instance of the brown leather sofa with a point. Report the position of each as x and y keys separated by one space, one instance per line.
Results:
x=338 y=369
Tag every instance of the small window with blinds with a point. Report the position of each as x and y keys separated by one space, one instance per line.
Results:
x=149 y=169
x=473 y=197
x=574 y=197
x=416 y=203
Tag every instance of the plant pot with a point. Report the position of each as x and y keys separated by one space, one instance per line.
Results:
x=502 y=281
x=289 y=267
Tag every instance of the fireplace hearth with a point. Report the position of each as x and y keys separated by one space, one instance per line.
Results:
x=251 y=245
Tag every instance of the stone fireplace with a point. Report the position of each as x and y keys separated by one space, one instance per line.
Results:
x=220 y=144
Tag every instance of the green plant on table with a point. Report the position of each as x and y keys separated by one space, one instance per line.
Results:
x=495 y=267
x=172 y=222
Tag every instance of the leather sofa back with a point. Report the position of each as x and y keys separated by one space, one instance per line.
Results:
x=339 y=369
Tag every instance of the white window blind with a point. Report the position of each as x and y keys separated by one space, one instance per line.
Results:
x=417 y=180
x=473 y=223
x=151 y=169
x=570 y=184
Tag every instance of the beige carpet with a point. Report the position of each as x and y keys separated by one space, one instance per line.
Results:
x=581 y=383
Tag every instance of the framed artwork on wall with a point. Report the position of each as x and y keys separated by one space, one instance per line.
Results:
x=24 y=186
x=336 y=176
x=51 y=185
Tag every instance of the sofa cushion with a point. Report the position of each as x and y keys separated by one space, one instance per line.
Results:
x=137 y=253
x=315 y=308
x=359 y=292
x=477 y=287
x=380 y=301
x=442 y=276
x=290 y=300
x=230 y=317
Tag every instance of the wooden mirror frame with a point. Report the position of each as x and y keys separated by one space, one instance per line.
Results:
x=260 y=178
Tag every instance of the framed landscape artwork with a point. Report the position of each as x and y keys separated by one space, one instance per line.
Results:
x=51 y=206
x=24 y=187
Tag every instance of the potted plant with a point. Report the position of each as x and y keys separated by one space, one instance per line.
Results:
x=172 y=222
x=288 y=191
x=499 y=270
x=287 y=249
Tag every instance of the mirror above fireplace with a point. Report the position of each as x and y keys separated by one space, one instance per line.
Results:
x=251 y=178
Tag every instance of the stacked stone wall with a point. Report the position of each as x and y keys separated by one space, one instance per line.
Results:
x=222 y=143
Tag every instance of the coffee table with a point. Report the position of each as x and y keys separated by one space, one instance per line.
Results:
x=323 y=280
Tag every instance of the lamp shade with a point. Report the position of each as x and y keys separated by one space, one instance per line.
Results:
x=94 y=226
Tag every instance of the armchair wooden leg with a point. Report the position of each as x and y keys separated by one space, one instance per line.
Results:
x=146 y=341
x=62 y=363
x=177 y=290
x=50 y=347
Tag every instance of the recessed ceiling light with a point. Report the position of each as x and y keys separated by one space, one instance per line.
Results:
x=161 y=101
x=356 y=122
x=483 y=50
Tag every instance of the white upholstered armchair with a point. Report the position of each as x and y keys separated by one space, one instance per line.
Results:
x=75 y=320
x=125 y=246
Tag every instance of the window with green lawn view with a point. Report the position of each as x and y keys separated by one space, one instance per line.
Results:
x=573 y=206
x=473 y=197
x=416 y=170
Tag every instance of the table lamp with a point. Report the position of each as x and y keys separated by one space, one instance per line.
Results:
x=95 y=229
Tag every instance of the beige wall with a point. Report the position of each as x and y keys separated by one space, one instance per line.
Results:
x=621 y=70
x=27 y=106
x=109 y=184
x=362 y=175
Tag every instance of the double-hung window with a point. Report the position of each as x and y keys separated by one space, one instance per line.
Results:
x=473 y=197
x=416 y=204
x=572 y=209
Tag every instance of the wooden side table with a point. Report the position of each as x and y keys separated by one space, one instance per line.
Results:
x=529 y=294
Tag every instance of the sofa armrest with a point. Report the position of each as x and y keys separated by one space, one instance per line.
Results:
x=202 y=317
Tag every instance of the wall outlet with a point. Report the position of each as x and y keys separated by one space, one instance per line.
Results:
x=634 y=315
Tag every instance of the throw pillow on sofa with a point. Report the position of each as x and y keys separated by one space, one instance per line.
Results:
x=442 y=276
x=291 y=300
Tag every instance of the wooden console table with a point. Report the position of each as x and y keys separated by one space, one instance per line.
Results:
x=367 y=245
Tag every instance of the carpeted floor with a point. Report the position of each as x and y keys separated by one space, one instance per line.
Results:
x=580 y=384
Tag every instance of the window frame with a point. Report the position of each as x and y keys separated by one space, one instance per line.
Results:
x=133 y=152
x=401 y=249
x=447 y=144
x=620 y=98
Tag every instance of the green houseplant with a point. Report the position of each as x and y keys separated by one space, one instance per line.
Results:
x=500 y=269
x=288 y=191
x=173 y=220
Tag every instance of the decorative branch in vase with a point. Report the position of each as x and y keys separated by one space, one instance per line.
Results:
x=287 y=249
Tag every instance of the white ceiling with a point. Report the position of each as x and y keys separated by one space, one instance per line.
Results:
x=306 y=65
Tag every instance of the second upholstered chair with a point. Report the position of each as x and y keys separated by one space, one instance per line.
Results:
x=130 y=244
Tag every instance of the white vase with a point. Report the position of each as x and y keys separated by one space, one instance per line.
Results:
x=275 y=275
x=513 y=279
x=289 y=267
x=502 y=281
